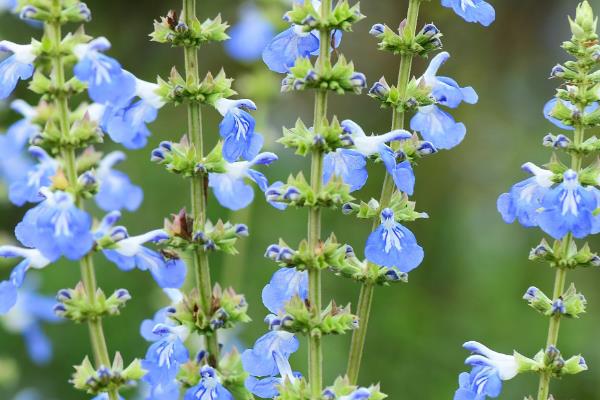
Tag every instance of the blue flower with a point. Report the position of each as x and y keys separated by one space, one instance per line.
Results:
x=282 y=52
x=209 y=387
x=285 y=284
x=237 y=129
x=165 y=356
x=250 y=35
x=350 y=164
x=392 y=245
x=230 y=187
x=56 y=227
x=489 y=370
x=569 y=207
x=160 y=317
x=116 y=190
x=27 y=189
x=525 y=198
x=19 y=66
x=128 y=253
x=358 y=394
x=25 y=318
x=550 y=105
x=434 y=124
x=32 y=258
x=14 y=164
x=104 y=396
x=472 y=10
x=267 y=363
x=8 y=5
x=107 y=81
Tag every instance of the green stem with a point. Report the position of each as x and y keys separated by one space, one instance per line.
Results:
x=560 y=278
x=366 y=292
x=88 y=275
x=315 y=351
x=198 y=187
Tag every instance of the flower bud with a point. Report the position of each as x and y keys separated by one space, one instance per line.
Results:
x=557 y=72
x=273 y=252
x=241 y=230
x=377 y=30
x=358 y=80
x=380 y=90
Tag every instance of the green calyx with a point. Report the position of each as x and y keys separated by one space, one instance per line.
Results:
x=227 y=309
x=404 y=209
x=300 y=317
x=341 y=18
x=70 y=11
x=418 y=94
x=299 y=389
x=212 y=88
x=570 y=304
x=76 y=305
x=560 y=257
x=298 y=192
x=339 y=77
x=104 y=379
x=403 y=42
x=172 y=30
x=182 y=158
x=305 y=140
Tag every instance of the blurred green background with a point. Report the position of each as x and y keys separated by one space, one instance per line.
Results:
x=476 y=269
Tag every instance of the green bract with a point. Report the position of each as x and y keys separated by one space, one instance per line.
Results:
x=78 y=307
x=305 y=140
x=93 y=381
x=337 y=78
x=332 y=195
x=342 y=17
x=171 y=30
x=177 y=90
x=406 y=43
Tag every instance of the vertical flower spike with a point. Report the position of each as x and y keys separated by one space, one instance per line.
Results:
x=392 y=245
x=563 y=201
x=19 y=66
x=237 y=130
x=472 y=10
x=107 y=82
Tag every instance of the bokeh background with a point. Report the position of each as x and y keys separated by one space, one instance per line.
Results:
x=476 y=268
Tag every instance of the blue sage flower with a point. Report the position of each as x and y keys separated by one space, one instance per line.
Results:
x=550 y=105
x=285 y=284
x=230 y=188
x=107 y=81
x=359 y=394
x=56 y=227
x=525 y=198
x=209 y=387
x=115 y=189
x=237 y=129
x=27 y=188
x=19 y=66
x=128 y=254
x=8 y=5
x=26 y=317
x=434 y=124
x=9 y=289
x=267 y=363
x=161 y=316
x=250 y=35
x=350 y=164
x=166 y=355
x=569 y=208
x=489 y=370
x=392 y=245
x=282 y=52
x=472 y=10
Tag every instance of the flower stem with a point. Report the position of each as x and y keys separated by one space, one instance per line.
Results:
x=367 y=290
x=315 y=353
x=560 y=279
x=198 y=186
x=88 y=276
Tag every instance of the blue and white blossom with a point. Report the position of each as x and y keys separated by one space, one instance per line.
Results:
x=115 y=190
x=550 y=105
x=161 y=316
x=166 y=355
x=524 y=200
x=18 y=66
x=27 y=189
x=129 y=253
x=230 y=188
x=106 y=79
x=268 y=363
x=285 y=284
x=237 y=129
x=350 y=164
x=472 y=10
x=209 y=387
x=26 y=318
x=489 y=370
x=9 y=289
x=433 y=123
x=250 y=36
x=56 y=227
x=569 y=208
x=393 y=245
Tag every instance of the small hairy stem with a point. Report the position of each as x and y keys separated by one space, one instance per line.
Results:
x=315 y=353
x=198 y=187
x=366 y=293
x=88 y=275
x=560 y=278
